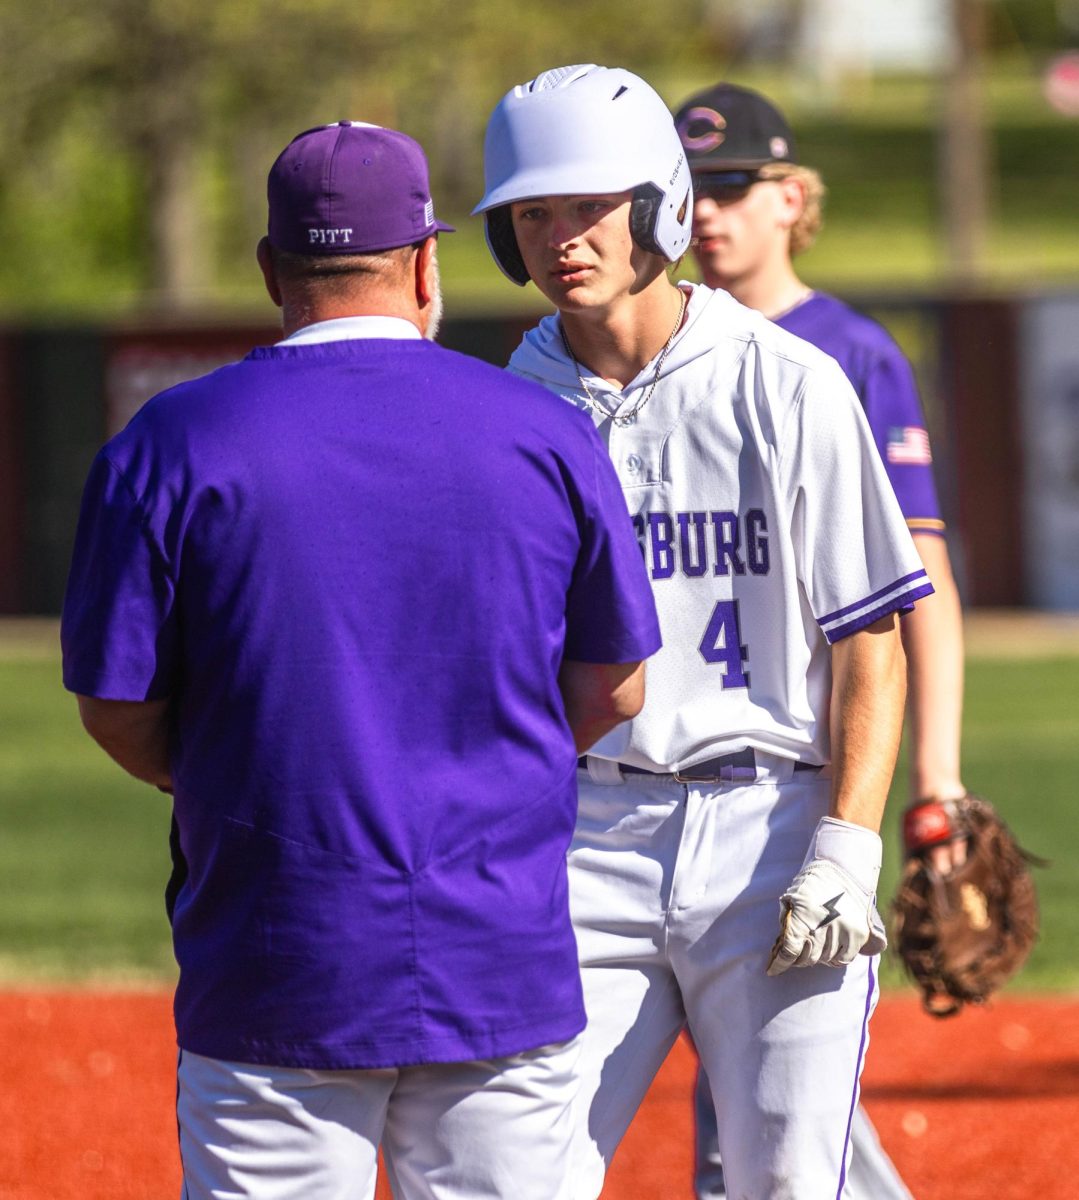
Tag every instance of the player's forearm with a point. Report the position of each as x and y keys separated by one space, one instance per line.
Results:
x=599 y=696
x=868 y=692
x=134 y=734
x=933 y=640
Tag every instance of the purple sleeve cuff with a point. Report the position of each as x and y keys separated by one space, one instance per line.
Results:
x=897 y=597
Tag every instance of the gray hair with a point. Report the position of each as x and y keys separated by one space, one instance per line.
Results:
x=340 y=272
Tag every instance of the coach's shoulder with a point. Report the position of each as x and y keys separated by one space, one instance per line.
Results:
x=183 y=398
x=478 y=370
x=530 y=386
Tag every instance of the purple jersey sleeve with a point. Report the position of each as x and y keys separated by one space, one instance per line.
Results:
x=855 y=557
x=885 y=384
x=890 y=398
x=119 y=628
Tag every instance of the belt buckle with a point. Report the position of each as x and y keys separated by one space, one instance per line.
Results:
x=742 y=768
x=678 y=777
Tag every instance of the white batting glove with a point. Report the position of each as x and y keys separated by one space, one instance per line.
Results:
x=829 y=913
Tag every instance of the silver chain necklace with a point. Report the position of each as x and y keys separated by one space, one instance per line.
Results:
x=624 y=419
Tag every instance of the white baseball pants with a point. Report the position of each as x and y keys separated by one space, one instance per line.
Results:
x=675 y=899
x=871 y=1176
x=494 y=1130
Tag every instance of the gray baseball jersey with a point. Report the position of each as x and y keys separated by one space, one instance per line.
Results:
x=768 y=525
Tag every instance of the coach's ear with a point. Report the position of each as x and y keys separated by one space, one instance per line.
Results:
x=425 y=266
x=269 y=275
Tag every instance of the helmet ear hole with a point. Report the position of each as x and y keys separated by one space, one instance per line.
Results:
x=644 y=217
x=503 y=243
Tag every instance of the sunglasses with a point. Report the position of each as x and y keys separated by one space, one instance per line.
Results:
x=723 y=186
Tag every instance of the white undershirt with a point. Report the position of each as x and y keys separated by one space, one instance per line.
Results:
x=341 y=329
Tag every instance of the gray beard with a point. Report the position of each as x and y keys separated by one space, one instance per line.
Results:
x=434 y=317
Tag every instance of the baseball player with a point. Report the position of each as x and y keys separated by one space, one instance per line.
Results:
x=363 y=647
x=725 y=861
x=756 y=207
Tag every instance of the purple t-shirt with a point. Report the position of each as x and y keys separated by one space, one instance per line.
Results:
x=885 y=384
x=355 y=568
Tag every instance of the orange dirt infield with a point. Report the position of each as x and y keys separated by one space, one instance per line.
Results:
x=982 y=1107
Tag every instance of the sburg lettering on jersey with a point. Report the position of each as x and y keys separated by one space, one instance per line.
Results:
x=720 y=542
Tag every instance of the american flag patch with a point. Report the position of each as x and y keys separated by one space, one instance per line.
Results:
x=909 y=444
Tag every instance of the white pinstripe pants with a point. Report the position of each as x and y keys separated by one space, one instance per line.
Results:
x=674 y=895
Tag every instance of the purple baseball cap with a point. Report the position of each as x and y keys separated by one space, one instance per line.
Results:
x=350 y=188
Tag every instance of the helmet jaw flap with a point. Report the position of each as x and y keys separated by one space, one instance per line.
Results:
x=655 y=223
x=502 y=243
x=587 y=130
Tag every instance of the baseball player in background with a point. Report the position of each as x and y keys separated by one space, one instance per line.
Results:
x=358 y=602
x=755 y=208
x=724 y=867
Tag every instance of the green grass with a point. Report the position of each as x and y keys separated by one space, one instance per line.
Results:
x=83 y=847
x=84 y=859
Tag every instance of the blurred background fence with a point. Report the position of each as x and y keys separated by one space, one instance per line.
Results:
x=1000 y=378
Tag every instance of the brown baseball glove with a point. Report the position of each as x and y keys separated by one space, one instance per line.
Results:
x=966 y=914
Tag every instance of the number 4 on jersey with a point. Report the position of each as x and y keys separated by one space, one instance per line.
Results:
x=722 y=643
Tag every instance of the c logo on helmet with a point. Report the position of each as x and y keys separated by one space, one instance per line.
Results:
x=713 y=136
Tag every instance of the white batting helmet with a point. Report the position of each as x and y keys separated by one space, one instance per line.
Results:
x=586 y=130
